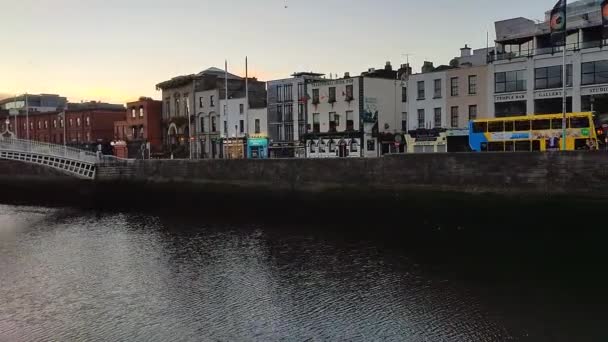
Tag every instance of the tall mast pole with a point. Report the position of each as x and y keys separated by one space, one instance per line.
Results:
x=27 y=120
x=246 y=98
x=564 y=79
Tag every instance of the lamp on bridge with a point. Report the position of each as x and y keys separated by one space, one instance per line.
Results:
x=7 y=133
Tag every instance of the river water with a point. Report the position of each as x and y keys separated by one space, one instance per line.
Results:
x=76 y=275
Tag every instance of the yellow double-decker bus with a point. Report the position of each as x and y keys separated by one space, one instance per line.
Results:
x=533 y=133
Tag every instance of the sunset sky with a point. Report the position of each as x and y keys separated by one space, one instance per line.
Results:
x=117 y=50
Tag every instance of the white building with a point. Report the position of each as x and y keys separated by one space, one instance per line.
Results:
x=347 y=115
x=525 y=75
x=427 y=98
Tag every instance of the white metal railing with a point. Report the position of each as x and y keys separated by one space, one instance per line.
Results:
x=31 y=146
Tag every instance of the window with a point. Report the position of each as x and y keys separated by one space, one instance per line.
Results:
x=551 y=77
x=437 y=117
x=61 y=123
x=78 y=122
x=300 y=91
x=213 y=124
x=288 y=92
x=353 y=145
x=289 y=113
x=403 y=94
x=332 y=122
x=176 y=106
x=46 y=124
x=54 y=123
x=316 y=125
x=421 y=118
x=211 y=104
x=437 y=93
x=241 y=126
x=71 y=123
x=279 y=93
x=509 y=81
x=257 y=126
x=225 y=127
x=454 y=116
x=420 y=90
x=332 y=94
x=404 y=122
x=202 y=128
x=39 y=124
x=186 y=105
x=301 y=112
x=473 y=112
x=454 y=86
x=472 y=84
x=371 y=145
x=301 y=128
x=579 y=122
x=141 y=112
x=595 y=72
x=541 y=124
x=315 y=96
x=522 y=125
x=496 y=126
x=350 y=123
x=280 y=113
x=349 y=92
x=241 y=108
x=132 y=112
x=480 y=127
x=200 y=102
x=289 y=132
x=167 y=107
x=88 y=121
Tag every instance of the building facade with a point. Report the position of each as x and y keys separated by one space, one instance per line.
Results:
x=525 y=74
x=348 y=115
x=287 y=114
x=141 y=125
x=81 y=124
x=35 y=103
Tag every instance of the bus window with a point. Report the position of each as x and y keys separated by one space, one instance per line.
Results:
x=509 y=126
x=556 y=123
x=522 y=125
x=509 y=146
x=539 y=125
x=495 y=126
x=496 y=146
x=580 y=144
x=480 y=127
x=522 y=145
x=535 y=145
x=580 y=122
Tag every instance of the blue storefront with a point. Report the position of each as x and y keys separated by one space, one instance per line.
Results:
x=257 y=148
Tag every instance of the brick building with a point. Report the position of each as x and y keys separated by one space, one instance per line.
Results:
x=84 y=123
x=142 y=123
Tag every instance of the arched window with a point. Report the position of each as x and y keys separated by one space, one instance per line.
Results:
x=141 y=111
x=133 y=115
x=39 y=124
x=46 y=124
x=202 y=128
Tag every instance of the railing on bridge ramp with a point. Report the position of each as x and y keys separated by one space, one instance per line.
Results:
x=69 y=160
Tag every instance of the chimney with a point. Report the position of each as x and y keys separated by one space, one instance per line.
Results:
x=404 y=71
x=388 y=66
x=465 y=51
x=427 y=67
x=347 y=75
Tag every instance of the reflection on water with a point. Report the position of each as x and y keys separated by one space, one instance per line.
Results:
x=73 y=275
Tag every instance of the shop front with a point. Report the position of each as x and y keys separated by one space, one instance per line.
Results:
x=427 y=141
x=257 y=148
x=392 y=143
x=233 y=148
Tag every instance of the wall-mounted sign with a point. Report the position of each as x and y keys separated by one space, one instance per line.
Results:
x=334 y=82
x=550 y=94
x=510 y=97
x=603 y=89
